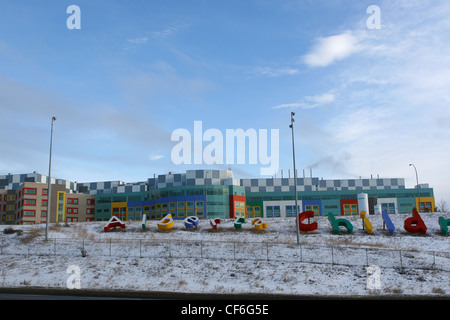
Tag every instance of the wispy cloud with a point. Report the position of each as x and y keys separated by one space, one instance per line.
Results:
x=156 y=157
x=275 y=72
x=309 y=102
x=131 y=44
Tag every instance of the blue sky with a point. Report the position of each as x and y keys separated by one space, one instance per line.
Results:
x=366 y=101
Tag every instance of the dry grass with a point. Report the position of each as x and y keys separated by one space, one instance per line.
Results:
x=31 y=234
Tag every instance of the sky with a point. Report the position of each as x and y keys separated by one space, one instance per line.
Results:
x=367 y=101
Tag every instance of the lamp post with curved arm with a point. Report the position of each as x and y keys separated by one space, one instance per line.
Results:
x=295 y=177
x=417 y=182
x=49 y=181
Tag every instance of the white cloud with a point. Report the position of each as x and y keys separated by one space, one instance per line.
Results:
x=330 y=49
x=156 y=157
x=275 y=72
x=321 y=99
x=310 y=102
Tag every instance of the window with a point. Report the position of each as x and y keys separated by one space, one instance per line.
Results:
x=90 y=202
x=350 y=209
x=29 y=191
x=44 y=213
x=29 y=213
x=44 y=203
x=44 y=192
x=425 y=206
x=316 y=209
x=180 y=210
x=29 y=202
x=10 y=197
x=72 y=201
x=199 y=204
x=200 y=212
x=388 y=207
x=273 y=211
x=290 y=211
x=72 y=210
x=89 y=211
x=10 y=207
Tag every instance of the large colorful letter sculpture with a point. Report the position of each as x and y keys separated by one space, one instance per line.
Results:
x=260 y=224
x=113 y=223
x=166 y=223
x=191 y=222
x=214 y=223
x=388 y=223
x=444 y=223
x=415 y=223
x=307 y=226
x=366 y=222
x=336 y=223
x=238 y=222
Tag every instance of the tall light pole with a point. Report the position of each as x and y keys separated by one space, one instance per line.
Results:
x=417 y=181
x=295 y=177
x=49 y=182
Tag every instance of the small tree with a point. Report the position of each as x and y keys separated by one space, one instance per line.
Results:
x=442 y=206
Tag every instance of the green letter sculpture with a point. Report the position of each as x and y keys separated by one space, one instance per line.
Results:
x=444 y=223
x=336 y=223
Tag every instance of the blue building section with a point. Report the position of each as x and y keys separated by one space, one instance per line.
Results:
x=312 y=205
x=179 y=207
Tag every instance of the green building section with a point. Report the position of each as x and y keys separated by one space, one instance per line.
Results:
x=217 y=199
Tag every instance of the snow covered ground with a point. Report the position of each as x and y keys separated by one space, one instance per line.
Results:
x=138 y=268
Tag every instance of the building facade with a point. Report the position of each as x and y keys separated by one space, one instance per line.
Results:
x=227 y=197
x=24 y=200
x=202 y=193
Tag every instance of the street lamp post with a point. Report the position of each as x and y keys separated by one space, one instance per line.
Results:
x=417 y=182
x=49 y=182
x=295 y=177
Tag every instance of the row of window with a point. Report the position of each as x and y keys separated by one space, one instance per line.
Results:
x=180 y=209
x=32 y=213
x=32 y=202
x=8 y=197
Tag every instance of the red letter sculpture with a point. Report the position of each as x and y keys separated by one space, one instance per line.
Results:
x=415 y=224
x=307 y=226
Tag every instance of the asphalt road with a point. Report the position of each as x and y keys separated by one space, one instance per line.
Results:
x=66 y=294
